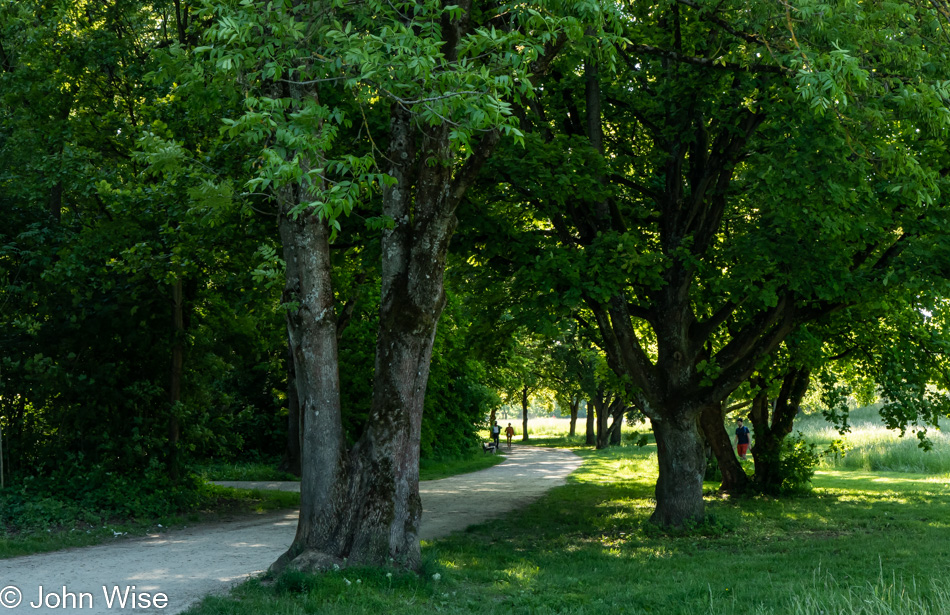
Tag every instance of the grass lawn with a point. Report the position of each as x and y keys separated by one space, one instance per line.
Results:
x=860 y=543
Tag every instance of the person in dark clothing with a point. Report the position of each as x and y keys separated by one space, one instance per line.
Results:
x=742 y=439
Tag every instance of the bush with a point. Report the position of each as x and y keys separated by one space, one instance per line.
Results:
x=90 y=496
x=797 y=462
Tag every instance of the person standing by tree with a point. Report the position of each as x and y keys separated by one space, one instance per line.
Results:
x=742 y=439
x=509 y=432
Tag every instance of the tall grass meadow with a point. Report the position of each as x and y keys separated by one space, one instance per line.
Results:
x=870 y=447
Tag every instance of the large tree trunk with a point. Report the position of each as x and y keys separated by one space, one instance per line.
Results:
x=324 y=530
x=363 y=506
x=524 y=414
x=679 y=487
x=734 y=478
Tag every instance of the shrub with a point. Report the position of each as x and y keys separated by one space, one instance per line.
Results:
x=797 y=462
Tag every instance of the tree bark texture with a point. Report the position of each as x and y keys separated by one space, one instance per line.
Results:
x=679 y=487
x=325 y=515
x=291 y=462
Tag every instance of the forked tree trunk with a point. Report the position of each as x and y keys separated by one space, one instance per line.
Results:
x=679 y=487
x=734 y=478
x=770 y=434
x=362 y=506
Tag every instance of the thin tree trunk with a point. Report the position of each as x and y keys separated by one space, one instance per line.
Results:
x=591 y=434
x=56 y=201
x=603 y=414
x=174 y=388
x=575 y=404
x=616 y=425
x=524 y=413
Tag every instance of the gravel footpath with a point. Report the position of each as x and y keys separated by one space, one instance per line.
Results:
x=187 y=564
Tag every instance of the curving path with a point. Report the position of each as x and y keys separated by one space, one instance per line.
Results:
x=187 y=564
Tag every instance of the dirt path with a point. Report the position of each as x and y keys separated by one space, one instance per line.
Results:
x=187 y=564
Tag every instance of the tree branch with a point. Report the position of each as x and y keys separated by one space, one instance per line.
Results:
x=709 y=62
x=723 y=24
x=623 y=181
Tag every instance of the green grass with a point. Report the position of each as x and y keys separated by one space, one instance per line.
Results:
x=242 y=470
x=870 y=543
x=872 y=447
x=217 y=503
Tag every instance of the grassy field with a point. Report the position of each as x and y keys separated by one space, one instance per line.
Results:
x=872 y=447
x=871 y=543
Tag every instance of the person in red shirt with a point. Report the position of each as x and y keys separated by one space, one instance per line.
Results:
x=509 y=432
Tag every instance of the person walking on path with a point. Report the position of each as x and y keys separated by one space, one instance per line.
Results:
x=742 y=439
x=509 y=432
x=495 y=433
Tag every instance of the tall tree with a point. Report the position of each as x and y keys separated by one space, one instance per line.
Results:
x=440 y=74
x=724 y=168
